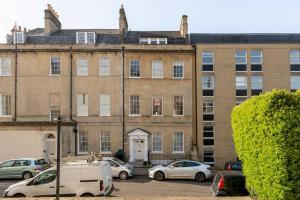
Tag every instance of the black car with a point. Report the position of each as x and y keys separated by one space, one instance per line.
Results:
x=233 y=166
x=229 y=183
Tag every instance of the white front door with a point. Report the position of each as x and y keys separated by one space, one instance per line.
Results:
x=139 y=149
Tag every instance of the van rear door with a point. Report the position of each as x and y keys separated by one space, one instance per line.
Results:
x=106 y=177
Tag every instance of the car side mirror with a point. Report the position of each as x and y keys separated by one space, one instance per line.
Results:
x=30 y=183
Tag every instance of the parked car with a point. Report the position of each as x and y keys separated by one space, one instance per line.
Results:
x=24 y=168
x=119 y=168
x=183 y=169
x=233 y=166
x=229 y=183
x=79 y=179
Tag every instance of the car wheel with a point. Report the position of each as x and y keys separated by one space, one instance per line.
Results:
x=200 y=177
x=159 y=176
x=123 y=175
x=18 y=195
x=87 y=195
x=27 y=175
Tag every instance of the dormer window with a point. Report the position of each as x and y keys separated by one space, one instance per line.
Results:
x=153 y=40
x=19 y=37
x=85 y=37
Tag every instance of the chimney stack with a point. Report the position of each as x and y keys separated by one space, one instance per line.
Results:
x=184 y=29
x=123 y=25
x=52 y=23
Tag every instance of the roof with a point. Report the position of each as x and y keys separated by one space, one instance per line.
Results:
x=68 y=36
x=250 y=38
x=174 y=37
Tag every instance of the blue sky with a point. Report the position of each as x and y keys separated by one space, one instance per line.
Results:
x=205 y=16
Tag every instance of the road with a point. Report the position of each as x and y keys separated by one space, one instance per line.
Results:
x=142 y=186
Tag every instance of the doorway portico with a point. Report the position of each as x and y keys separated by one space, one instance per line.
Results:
x=138 y=145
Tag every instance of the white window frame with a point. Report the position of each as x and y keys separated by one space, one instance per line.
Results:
x=102 y=63
x=206 y=53
x=153 y=69
x=255 y=82
x=236 y=83
x=207 y=107
x=19 y=37
x=209 y=138
x=144 y=40
x=84 y=105
x=162 y=142
x=82 y=66
x=85 y=37
x=260 y=56
x=101 y=103
x=54 y=109
x=174 y=105
x=100 y=150
x=78 y=142
x=162 y=105
x=213 y=156
x=297 y=82
x=55 y=57
x=5 y=62
x=173 y=147
x=1 y=110
x=138 y=61
x=297 y=56
x=129 y=106
x=237 y=56
x=212 y=80
x=182 y=64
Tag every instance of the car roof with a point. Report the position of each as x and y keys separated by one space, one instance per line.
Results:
x=231 y=173
x=22 y=159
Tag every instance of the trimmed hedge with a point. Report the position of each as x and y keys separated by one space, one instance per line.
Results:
x=266 y=133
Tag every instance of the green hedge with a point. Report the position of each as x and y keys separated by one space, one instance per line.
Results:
x=266 y=133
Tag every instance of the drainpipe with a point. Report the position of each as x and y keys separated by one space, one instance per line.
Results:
x=196 y=95
x=75 y=130
x=16 y=81
x=123 y=96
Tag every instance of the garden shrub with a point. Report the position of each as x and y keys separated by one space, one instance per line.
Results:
x=266 y=133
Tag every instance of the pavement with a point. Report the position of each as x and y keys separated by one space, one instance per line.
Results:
x=143 y=188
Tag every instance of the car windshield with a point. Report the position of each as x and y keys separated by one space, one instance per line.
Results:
x=119 y=161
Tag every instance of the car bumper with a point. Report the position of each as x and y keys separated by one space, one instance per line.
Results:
x=5 y=194
x=130 y=173
x=151 y=174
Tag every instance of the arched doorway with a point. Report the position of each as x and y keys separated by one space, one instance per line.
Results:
x=49 y=146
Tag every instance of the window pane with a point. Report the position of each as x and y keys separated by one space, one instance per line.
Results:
x=157 y=142
x=90 y=38
x=207 y=58
x=178 y=69
x=54 y=112
x=105 y=66
x=134 y=105
x=82 y=105
x=256 y=57
x=295 y=82
x=105 y=142
x=178 y=142
x=241 y=57
x=83 y=142
x=178 y=105
x=5 y=103
x=256 y=82
x=80 y=37
x=295 y=57
x=135 y=68
x=55 y=66
x=208 y=107
x=157 y=106
x=5 y=67
x=82 y=67
x=241 y=82
x=208 y=82
x=104 y=105
x=157 y=69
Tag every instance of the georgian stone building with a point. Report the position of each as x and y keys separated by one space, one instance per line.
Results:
x=159 y=95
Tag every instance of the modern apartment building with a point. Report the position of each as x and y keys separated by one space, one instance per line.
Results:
x=158 y=95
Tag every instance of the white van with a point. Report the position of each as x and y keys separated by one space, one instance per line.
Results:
x=80 y=180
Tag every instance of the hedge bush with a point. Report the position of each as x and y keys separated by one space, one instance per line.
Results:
x=266 y=133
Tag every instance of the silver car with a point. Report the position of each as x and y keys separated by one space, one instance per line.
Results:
x=183 y=169
x=24 y=168
x=119 y=168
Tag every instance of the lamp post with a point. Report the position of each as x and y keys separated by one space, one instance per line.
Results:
x=58 y=157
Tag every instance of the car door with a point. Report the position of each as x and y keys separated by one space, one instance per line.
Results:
x=19 y=167
x=43 y=185
x=6 y=169
x=190 y=169
x=175 y=170
x=115 y=168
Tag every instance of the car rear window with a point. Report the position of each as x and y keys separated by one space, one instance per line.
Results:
x=41 y=162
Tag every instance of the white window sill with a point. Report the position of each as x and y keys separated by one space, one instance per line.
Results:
x=178 y=78
x=157 y=152
x=178 y=152
x=134 y=115
x=5 y=116
x=133 y=77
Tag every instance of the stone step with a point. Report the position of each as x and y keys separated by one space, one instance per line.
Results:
x=140 y=171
